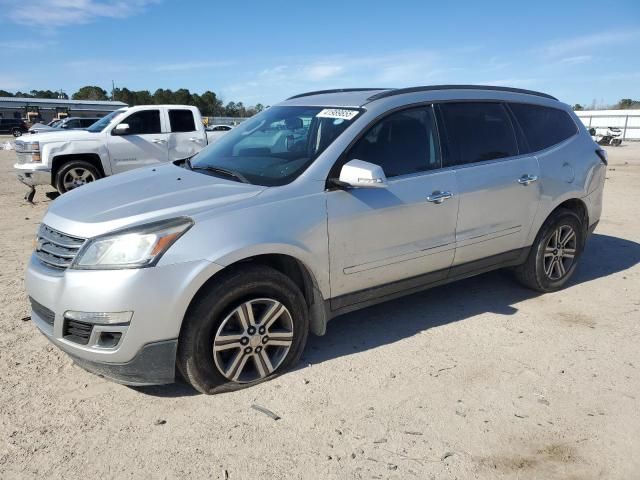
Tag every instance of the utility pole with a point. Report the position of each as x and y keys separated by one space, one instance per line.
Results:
x=113 y=89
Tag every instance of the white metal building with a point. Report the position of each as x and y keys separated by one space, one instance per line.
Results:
x=627 y=120
x=47 y=109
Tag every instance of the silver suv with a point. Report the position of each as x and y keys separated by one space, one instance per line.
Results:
x=326 y=203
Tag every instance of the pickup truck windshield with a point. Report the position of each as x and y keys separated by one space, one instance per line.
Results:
x=276 y=146
x=101 y=124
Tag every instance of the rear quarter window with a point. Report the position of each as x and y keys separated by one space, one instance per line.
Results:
x=543 y=126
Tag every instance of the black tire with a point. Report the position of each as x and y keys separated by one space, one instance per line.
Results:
x=532 y=272
x=195 y=358
x=75 y=166
x=16 y=132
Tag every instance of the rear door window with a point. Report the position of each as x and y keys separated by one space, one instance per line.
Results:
x=143 y=122
x=477 y=131
x=543 y=126
x=182 y=121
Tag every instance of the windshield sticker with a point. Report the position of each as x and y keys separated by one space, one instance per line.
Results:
x=340 y=113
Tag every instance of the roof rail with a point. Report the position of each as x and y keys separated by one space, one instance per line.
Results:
x=400 y=91
x=335 y=90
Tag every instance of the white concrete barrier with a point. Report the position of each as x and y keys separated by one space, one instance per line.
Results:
x=627 y=120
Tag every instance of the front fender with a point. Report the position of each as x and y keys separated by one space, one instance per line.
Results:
x=74 y=147
x=298 y=252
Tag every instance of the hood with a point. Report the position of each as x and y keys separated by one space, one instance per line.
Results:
x=141 y=196
x=60 y=135
x=40 y=126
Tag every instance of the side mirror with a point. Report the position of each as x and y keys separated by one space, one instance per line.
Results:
x=64 y=126
x=592 y=132
x=121 y=129
x=361 y=174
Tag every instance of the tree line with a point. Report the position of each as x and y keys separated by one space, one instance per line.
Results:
x=623 y=104
x=208 y=102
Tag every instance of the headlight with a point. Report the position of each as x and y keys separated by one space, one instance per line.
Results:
x=134 y=247
x=29 y=147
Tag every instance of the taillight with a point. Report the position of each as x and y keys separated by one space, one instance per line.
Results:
x=603 y=156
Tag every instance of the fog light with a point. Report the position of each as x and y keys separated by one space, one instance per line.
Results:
x=35 y=157
x=100 y=318
x=109 y=339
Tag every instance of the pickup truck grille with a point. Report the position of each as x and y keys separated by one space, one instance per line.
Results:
x=56 y=249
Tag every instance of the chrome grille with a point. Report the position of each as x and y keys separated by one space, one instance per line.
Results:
x=56 y=249
x=23 y=157
x=21 y=153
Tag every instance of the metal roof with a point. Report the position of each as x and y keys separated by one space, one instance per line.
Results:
x=59 y=102
x=340 y=98
x=335 y=90
x=428 y=88
x=358 y=97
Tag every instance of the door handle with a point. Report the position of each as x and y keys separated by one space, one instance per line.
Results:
x=194 y=139
x=159 y=140
x=438 y=197
x=527 y=179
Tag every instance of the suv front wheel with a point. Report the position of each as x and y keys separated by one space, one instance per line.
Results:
x=554 y=254
x=249 y=327
x=16 y=132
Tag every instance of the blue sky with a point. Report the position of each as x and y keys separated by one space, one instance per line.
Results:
x=264 y=51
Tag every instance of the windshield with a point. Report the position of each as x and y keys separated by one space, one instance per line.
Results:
x=276 y=146
x=101 y=124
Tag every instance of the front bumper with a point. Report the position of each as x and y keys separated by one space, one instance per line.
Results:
x=158 y=297
x=154 y=364
x=31 y=175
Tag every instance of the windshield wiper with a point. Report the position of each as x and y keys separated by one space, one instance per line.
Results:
x=223 y=171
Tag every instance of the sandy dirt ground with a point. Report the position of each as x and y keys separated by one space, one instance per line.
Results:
x=478 y=379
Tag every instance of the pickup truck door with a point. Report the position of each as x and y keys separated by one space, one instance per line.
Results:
x=141 y=145
x=186 y=133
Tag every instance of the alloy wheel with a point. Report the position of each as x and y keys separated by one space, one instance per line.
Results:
x=77 y=177
x=560 y=252
x=253 y=340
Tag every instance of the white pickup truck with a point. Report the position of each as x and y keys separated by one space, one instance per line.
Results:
x=125 y=139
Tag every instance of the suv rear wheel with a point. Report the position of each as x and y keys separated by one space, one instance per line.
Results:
x=554 y=254
x=250 y=327
x=75 y=174
x=16 y=132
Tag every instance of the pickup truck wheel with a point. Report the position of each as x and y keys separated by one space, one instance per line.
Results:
x=250 y=327
x=75 y=174
x=554 y=254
